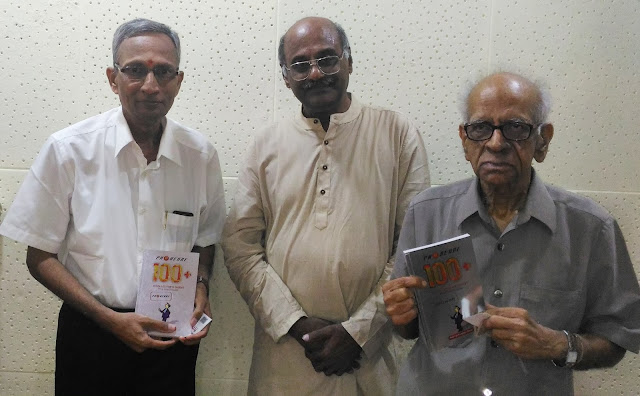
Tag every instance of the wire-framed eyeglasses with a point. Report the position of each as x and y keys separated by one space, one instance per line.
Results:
x=328 y=65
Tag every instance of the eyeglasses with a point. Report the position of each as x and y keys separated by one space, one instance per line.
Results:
x=511 y=130
x=328 y=65
x=138 y=72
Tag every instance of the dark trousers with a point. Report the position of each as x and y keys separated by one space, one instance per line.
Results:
x=91 y=361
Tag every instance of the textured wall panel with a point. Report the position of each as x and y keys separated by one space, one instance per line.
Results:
x=588 y=52
x=412 y=56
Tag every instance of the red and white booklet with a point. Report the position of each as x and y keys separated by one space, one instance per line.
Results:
x=452 y=303
x=167 y=289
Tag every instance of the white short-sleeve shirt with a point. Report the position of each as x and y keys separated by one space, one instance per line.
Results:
x=91 y=198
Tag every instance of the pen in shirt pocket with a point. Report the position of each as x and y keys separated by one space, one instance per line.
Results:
x=178 y=212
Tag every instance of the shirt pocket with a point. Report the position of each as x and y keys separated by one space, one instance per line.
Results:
x=178 y=234
x=553 y=308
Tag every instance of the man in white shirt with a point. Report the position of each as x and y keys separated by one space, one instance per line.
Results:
x=101 y=192
x=312 y=232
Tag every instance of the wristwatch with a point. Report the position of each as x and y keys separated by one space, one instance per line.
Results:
x=205 y=282
x=572 y=352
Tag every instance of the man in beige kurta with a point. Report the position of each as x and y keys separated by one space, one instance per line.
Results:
x=312 y=232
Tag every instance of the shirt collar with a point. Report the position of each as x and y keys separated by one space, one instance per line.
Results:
x=539 y=204
x=338 y=118
x=168 y=143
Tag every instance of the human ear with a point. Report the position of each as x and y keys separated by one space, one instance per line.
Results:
x=543 y=141
x=463 y=138
x=111 y=77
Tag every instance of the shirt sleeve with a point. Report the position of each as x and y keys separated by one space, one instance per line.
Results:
x=413 y=177
x=40 y=212
x=613 y=300
x=212 y=215
x=269 y=299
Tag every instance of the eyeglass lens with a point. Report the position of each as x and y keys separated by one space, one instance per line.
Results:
x=328 y=65
x=510 y=130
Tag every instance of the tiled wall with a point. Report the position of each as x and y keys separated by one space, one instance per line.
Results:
x=411 y=55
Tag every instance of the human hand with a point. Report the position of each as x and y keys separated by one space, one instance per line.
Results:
x=131 y=328
x=332 y=350
x=399 y=300
x=306 y=325
x=201 y=305
x=513 y=329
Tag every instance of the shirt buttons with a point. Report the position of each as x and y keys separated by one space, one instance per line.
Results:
x=322 y=192
x=315 y=121
x=324 y=167
x=498 y=293
x=142 y=211
x=326 y=142
x=500 y=246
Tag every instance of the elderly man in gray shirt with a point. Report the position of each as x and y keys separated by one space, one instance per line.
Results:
x=556 y=274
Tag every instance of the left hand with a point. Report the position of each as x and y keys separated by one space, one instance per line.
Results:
x=201 y=305
x=332 y=350
x=517 y=332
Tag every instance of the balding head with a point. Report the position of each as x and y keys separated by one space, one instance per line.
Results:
x=304 y=24
x=509 y=85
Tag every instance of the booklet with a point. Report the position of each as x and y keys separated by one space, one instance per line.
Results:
x=453 y=292
x=167 y=289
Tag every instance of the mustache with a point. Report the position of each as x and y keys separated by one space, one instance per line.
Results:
x=327 y=81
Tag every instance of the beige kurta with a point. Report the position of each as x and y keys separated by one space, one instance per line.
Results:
x=312 y=232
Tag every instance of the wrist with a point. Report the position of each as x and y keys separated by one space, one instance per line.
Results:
x=571 y=351
x=203 y=281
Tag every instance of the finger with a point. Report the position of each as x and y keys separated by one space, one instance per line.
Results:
x=400 y=307
x=405 y=318
x=158 y=344
x=157 y=325
x=317 y=336
x=404 y=282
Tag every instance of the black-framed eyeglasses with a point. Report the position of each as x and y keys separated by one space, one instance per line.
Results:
x=511 y=130
x=138 y=72
x=328 y=65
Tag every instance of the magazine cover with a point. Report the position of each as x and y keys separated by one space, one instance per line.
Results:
x=453 y=292
x=167 y=289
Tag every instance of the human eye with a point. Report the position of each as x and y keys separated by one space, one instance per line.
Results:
x=328 y=61
x=135 y=71
x=516 y=130
x=300 y=67
x=164 y=72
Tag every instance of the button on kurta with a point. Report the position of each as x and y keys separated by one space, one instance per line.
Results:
x=326 y=142
x=315 y=121
x=324 y=167
x=498 y=293
x=322 y=192
x=500 y=246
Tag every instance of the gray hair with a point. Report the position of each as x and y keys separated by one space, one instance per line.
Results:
x=342 y=35
x=137 y=27
x=541 y=108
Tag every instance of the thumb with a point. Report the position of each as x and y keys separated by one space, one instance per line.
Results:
x=317 y=335
x=158 y=325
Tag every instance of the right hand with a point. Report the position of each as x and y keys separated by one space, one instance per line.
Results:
x=131 y=328
x=398 y=298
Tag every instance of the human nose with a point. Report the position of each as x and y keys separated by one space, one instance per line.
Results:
x=150 y=83
x=497 y=141
x=315 y=72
